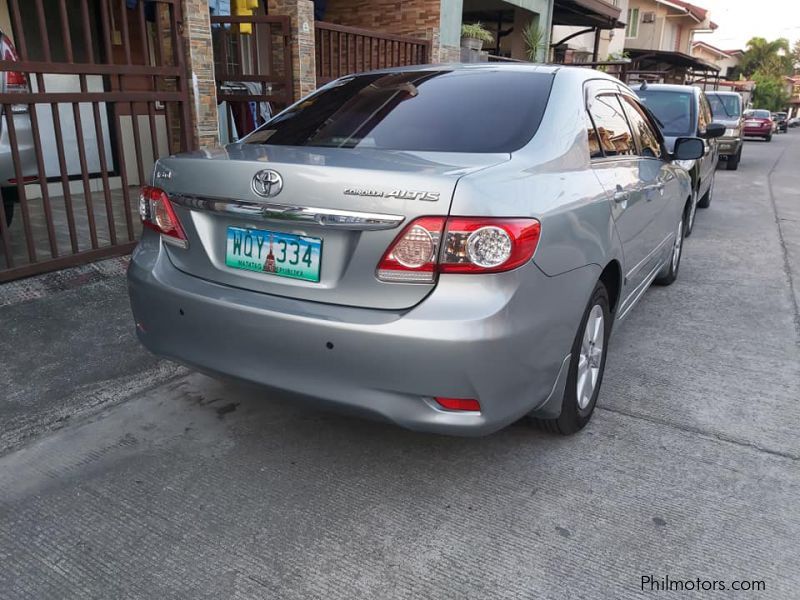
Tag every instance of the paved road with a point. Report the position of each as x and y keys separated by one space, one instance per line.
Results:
x=183 y=487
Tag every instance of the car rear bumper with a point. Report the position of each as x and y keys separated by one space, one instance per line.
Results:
x=757 y=131
x=729 y=147
x=502 y=339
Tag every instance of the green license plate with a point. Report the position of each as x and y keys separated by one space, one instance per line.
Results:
x=273 y=252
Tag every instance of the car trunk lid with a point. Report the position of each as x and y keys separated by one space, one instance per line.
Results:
x=355 y=201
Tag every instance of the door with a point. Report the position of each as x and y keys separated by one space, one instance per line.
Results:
x=617 y=166
x=657 y=182
x=708 y=164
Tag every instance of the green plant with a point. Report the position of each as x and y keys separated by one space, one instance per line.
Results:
x=477 y=31
x=535 y=41
x=618 y=56
x=770 y=92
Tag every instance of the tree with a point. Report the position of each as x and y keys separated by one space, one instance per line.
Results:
x=796 y=55
x=767 y=57
x=770 y=92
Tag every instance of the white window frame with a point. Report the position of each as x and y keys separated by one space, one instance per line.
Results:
x=632 y=27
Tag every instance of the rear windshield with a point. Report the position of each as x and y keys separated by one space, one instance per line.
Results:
x=758 y=114
x=724 y=105
x=438 y=111
x=675 y=110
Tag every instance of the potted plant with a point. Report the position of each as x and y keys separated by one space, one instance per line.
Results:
x=535 y=41
x=473 y=36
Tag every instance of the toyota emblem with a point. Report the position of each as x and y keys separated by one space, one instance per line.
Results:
x=267 y=183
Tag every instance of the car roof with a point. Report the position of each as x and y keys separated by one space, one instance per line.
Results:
x=513 y=66
x=582 y=72
x=666 y=87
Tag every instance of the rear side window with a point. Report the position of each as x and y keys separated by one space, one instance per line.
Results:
x=612 y=130
x=440 y=111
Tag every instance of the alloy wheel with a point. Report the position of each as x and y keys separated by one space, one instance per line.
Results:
x=591 y=356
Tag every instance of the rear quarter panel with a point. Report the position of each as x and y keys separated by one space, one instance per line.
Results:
x=551 y=179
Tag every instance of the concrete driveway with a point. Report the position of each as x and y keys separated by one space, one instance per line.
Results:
x=167 y=484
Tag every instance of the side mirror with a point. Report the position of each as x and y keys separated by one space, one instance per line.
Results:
x=688 y=148
x=714 y=130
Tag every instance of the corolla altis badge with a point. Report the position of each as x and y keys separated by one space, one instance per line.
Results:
x=267 y=183
x=399 y=194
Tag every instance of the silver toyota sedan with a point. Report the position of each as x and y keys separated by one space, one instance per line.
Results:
x=444 y=247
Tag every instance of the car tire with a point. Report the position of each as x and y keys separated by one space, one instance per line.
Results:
x=586 y=367
x=768 y=138
x=10 y=198
x=692 y=214
x=705 y=201
x=669 y=274
x=733 y=161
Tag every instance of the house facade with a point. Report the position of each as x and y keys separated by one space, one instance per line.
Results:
x=726 y=60
x=659 y=36
x=440 y=21
x=662 y=25
x=114 y=85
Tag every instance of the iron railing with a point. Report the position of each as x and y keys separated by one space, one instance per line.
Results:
x=108 y=95
x=342 y=50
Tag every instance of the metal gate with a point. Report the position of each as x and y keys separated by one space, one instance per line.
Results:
x=92 y=92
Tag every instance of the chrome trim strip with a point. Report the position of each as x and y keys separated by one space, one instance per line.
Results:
x=633 y=298
x=339 y=219
x=657 y=249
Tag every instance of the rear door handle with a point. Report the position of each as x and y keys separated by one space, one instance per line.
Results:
x=655 y=186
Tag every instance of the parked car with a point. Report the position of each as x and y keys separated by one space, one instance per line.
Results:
x=758 y=123
x=682 y=111
x=14 y=82
x=377 y=246
x=781 y=122
x=794 y=122
x=727 y=109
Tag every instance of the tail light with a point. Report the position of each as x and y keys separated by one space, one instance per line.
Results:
x=16 y=81
x=157 y=214
x=431 y=245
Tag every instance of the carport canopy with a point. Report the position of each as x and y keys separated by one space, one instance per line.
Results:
x=587 y=13
x=673 y=59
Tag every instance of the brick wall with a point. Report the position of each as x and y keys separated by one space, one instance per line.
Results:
x=415 y=18
x=301 y=15
x=200 y=59
x=409 y=17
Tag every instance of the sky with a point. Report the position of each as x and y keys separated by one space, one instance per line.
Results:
x=740 y=20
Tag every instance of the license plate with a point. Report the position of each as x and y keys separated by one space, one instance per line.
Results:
x=751 y=123
x=274 y=253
